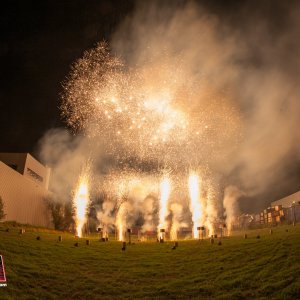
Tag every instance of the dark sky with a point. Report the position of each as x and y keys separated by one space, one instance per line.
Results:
x=39 y=41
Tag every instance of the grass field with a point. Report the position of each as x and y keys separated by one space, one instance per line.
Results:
x=265 y=268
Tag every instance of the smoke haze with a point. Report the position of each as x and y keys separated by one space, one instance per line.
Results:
x=254 y=62
x=237 y=76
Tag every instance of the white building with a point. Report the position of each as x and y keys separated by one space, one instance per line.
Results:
x=23 y=187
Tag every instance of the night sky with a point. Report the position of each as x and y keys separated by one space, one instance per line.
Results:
x=40 y=40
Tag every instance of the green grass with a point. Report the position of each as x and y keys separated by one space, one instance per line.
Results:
x=265 y=268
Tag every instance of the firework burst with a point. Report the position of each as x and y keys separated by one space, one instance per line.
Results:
x=149 y=112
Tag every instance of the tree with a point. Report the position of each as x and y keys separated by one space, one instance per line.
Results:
x=56 y=209
x=61 y=213
x=2 y=214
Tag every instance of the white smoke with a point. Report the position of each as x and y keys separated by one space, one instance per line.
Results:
x=148 y=207
x=105 y=216
x=254 y=68
x=241 y=80
x=176 y=209
x=230 y=203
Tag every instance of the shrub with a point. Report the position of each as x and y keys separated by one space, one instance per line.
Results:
x=57 y=214
x=61 y=213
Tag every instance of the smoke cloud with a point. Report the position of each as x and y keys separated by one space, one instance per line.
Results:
x=231 y=196
x=252 y=59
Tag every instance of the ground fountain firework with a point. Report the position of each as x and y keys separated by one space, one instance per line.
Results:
x=195 y=206
x=80 y=203
x=165 y=189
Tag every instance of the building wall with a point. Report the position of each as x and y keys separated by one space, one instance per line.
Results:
x=23 y=198
x=287 y=201
x=32 y=165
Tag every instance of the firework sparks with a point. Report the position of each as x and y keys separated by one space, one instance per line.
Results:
x=151 y=113
x=211 y=210
x=176 y=209
x=165 y=189
x=80 y=203
x=195 y=205
x=121 y=221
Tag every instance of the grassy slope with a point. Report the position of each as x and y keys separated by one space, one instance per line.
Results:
x=265 y=268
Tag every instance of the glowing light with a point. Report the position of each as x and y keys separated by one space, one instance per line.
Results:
x=80 y=203
x=176 y=209
x=121 y=215
x=165 y=189
x=195 y=204
x=211 y=210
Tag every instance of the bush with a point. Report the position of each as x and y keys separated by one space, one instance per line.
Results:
x=2 y=214
x=61 y=212
x=57 y=215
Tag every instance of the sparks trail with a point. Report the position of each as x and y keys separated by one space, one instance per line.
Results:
x=81 y=203
x=195 y=204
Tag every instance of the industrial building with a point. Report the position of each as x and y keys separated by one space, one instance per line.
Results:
x=288 y=201
x=23 y=188
x=286 y=209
